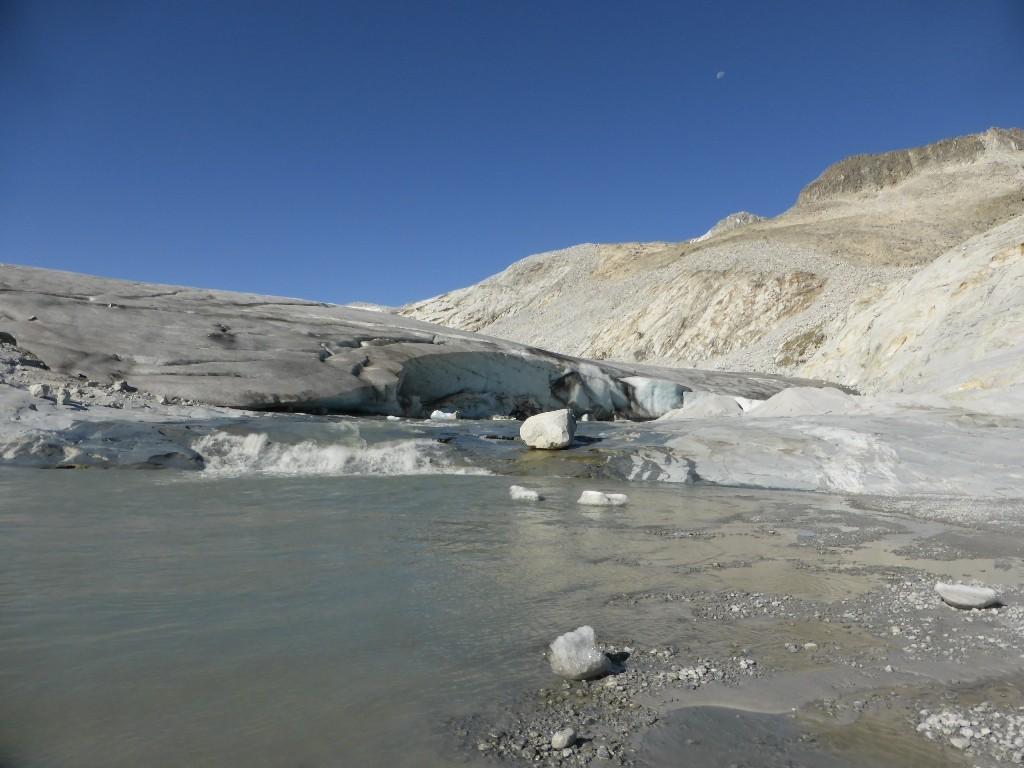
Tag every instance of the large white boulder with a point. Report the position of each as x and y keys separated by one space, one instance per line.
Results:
x=549 y=431
x=575 y=655
x=966 y=596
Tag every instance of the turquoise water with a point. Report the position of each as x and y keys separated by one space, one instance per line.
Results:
x=159 y=619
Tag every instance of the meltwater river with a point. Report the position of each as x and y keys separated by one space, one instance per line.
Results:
x=347 y=605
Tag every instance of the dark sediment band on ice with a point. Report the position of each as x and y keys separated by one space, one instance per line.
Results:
x=264 y=353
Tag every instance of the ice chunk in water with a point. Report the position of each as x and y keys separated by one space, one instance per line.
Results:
x=575 y=656
x=601 y=499
x=519 y=493
x=444 y=416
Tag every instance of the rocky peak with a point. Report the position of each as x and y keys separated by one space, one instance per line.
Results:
x=730 y=222
x=862 y=173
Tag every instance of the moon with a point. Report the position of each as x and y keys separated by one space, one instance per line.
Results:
x=720 y=75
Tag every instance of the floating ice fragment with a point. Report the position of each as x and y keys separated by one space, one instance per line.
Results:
x=519 y=493
x=444 y=416
x=601 y=499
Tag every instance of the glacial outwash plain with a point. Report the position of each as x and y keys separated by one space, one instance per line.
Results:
x=806 y=421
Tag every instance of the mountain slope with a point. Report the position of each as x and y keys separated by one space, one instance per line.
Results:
x=753 y=294
x=955 y=326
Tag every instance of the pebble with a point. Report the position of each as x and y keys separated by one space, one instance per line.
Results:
x=563 y=739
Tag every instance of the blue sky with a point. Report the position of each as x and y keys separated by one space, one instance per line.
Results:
x=388 y=151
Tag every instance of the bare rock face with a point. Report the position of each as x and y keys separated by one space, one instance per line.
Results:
x=769 y=295
x=865 y=173
x=954 y=327
x=549 y=431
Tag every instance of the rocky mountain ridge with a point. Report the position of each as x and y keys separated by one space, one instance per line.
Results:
x=766 y=295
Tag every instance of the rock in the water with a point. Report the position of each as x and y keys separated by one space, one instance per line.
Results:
x=393 y=418
x=519 y=493
x=444 y=416
x=966 y=596
x=575 y=656
x=602 y=499
x=549 y=431
x=563 y=738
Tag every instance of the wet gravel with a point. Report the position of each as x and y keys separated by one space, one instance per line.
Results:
x=605 y=713
x=889 y=631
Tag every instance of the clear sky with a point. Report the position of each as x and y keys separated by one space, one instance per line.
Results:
x=388 y=151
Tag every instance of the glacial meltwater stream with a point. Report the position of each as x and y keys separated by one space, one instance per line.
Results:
x=368 y=611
